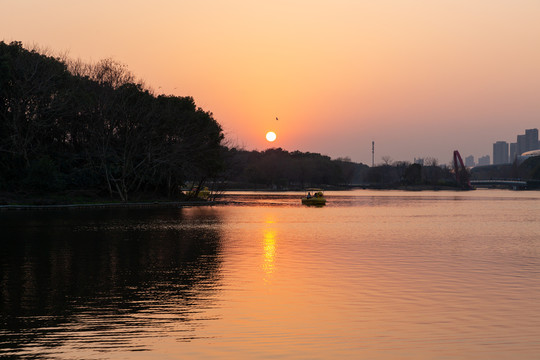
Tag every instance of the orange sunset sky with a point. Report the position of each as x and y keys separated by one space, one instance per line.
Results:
x=419 y=77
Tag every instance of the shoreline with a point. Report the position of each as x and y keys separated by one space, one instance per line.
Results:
x=16 y=203
x=127 y=205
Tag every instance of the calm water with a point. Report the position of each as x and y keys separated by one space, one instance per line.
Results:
x=373 y=275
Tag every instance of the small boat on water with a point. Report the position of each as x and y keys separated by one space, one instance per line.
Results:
x=314 y=197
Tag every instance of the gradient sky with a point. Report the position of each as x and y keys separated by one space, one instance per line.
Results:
x=419 y=77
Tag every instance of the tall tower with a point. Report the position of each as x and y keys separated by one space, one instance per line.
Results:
x=521 y=146
x=531 y=139
x=373 y=154
x=513 y=152
x=500 y=152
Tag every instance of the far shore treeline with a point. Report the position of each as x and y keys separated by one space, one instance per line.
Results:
x=76 y=129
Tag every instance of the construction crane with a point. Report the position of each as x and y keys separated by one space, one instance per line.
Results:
x=463 y=177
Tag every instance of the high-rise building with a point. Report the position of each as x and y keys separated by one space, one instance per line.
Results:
x=500 y=152
x=513 y=152
x=483 y=160
x=469 y=161
x=521 y=146
x=531 y=139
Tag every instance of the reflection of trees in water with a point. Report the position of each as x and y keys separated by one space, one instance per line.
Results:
x=84 y=274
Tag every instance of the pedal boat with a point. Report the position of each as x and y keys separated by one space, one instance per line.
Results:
x=314 y=197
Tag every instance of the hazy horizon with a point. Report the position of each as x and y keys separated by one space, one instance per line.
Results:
x=419 y=78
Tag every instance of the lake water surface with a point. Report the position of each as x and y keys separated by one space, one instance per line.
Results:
x=372 y=275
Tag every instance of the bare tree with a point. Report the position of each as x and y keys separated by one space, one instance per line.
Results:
x=431 y=161
x=387 y=160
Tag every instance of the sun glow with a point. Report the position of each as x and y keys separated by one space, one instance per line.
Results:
x=270 y=136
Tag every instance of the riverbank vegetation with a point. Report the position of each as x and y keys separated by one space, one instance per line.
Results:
x=406 y=175
x=278 y=169
x=73 y=130
x=77 y=132
x=66 y=125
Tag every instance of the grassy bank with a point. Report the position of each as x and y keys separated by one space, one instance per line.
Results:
x=87 y=199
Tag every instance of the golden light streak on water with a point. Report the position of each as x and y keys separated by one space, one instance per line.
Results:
x=269 y=247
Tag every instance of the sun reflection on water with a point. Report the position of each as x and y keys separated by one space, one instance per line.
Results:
x=269 y=251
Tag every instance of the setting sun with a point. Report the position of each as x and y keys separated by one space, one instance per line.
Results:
x=270 y=136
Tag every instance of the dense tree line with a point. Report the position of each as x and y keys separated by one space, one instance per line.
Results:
x=70 y=125
x=403 y=173
x=281 y=169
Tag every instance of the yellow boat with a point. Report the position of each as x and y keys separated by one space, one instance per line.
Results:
x=203 y=193
x=314 y=197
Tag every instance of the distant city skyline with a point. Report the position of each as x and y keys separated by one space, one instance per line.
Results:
x=504 y=152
